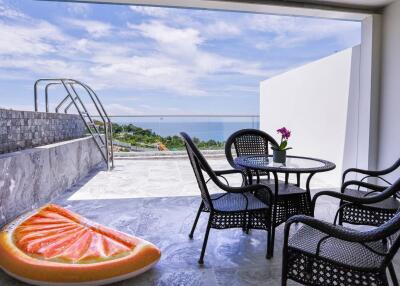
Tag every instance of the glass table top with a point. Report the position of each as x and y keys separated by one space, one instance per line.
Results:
x=293 y=163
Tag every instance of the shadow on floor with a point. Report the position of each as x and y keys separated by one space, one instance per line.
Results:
x=232 y=257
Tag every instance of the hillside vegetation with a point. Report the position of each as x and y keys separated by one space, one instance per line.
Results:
x=146 y=138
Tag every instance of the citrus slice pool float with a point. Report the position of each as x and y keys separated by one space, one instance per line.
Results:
x=54 y=246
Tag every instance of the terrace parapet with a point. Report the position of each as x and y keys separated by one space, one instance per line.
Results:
x=21 y=130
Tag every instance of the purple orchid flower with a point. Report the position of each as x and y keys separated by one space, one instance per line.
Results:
x=285 y=135
x=284 y=132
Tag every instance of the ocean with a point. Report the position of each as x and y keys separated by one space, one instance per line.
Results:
x=204 y=130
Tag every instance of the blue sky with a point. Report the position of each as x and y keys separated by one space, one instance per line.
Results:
x=149 y=60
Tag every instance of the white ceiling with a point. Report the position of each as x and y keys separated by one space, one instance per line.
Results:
x=335 y=9
x=373 y=4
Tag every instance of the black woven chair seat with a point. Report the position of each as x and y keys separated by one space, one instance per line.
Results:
x=389 y=204
x=291 y=200
x=338 y=251
x=324 y=254
x=231 y=202
x=284 y=189
x=374 y=204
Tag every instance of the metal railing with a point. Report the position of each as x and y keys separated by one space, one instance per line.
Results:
x=215 y=127
x=74 y=99
x=205 y=127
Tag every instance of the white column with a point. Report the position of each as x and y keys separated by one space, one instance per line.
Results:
x=368 y=102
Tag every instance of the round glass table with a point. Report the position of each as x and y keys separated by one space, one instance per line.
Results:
x=294 y=164
x=288 y=199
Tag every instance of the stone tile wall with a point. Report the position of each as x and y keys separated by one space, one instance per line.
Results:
x=25 y=129
x=33 y=177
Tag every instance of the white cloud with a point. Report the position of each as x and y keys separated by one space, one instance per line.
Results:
x=9 y=12
x=157 y=12
x=222 y=29
x=204 y=22
x=173 y=63
x=173 y=57
x=95 y=29
x=42 y=50
x=20 y=35
x=118 y=109
x=29 y=39
x=80 y=9
x=151 y=72
x=184 y=46
x=108 y=65
x=172 y=40
x=287 y=32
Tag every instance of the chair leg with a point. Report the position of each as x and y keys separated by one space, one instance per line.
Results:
x=196 y=220
x=393 y=275
x=285 y=254
x=244 y=227
x=340 y=218
x=298 y=179
x=268 y=242
x=248 y=223
x=203 y=250
x=271 y=242
x=284 y=268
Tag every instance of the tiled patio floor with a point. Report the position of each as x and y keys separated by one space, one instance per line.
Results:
x=157 y=200
x=151 y=178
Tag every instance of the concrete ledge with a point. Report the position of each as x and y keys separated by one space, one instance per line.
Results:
x=33 y=177
x=149 y=155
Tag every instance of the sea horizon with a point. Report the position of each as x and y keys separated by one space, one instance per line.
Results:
x=204 y=130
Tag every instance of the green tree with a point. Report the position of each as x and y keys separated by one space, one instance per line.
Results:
x=137 y=136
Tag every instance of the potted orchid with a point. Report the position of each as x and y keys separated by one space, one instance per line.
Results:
x=279 y=152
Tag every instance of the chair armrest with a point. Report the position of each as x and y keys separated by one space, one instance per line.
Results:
x=370 y=173
x=227 y=172
x=221 y=173
x=356 y=200
x=249 y=188
x=339 y=232
x=370 y=186
x=361 y=171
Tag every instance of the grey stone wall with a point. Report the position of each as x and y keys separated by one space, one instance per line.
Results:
x=33 y=177
x=25 y=129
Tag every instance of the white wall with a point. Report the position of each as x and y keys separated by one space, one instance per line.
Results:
x=313 y=101
x=389 y=123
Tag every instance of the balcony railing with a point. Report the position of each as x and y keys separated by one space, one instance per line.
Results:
x=131 y=132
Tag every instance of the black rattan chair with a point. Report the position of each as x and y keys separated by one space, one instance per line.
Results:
x=249 y=142
x=372 y=214
x=236 y=207
x=291 y=199
x=320 y=253
x=252 y=142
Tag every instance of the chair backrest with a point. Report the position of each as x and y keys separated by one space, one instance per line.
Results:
x=394 y=239
x=199 y=164
x=391 y=229
x=248 y=142
x=384 y=172
x=392 y=168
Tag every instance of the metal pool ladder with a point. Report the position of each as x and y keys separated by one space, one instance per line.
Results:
x=101 y=136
